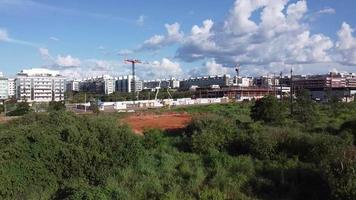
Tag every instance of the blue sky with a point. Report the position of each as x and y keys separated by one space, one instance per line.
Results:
x=85 y=38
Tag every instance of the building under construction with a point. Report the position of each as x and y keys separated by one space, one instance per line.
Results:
x=241 y=93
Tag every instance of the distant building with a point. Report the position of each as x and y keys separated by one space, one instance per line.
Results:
x=266 y=81
x=40 y=85
x=242 y=81
x=73 y=86
x=322 y=87
x=3 y=87
x=126 y=84
x=99 y=85
x=205 y=82
x=11 y=87
x=164 y=84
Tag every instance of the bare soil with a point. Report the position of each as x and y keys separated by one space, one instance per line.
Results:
x=165 y=121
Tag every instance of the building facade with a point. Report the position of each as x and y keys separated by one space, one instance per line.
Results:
x=99 y=85
x=3 y=87
x=126 y=84
x=205 y=82
x=164 y=84
x=11 y=87
x=72 y=86
x=40 y=85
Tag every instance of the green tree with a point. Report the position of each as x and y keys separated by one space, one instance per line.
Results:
x=56 y=106
x=269 y=110
x=22 y=108
x=305 y=110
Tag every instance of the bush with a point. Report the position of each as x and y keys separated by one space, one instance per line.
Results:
x=268 y=110
x=56 y=106
x=22 y=108
x=211 y=132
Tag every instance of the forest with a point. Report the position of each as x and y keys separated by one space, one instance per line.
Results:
x=252 y=150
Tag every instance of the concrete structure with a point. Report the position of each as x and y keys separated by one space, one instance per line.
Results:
x=322 y=87
x=11 y=87
x=125 y=84
x=3 y=87
x=99 y=85
x=73 y=86
x=242 y=81
x=40 y=85
x=145 y=104
x=238 y=93
x=205 y=82
x=164 y=84
x=266 y=81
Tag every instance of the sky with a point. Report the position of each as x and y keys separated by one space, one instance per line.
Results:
x=177 y=38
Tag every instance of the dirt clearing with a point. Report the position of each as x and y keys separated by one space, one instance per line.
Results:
x=165 y=121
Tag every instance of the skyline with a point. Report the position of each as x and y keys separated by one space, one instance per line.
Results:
x=264 y=36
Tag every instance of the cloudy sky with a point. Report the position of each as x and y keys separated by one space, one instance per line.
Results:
x=178 y=37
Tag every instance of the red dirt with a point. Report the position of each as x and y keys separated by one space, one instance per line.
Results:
x=166 y=121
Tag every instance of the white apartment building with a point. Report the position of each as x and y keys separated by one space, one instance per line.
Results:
x=164 y=83
x=242 y=81
x=206 y=82
x=104 y=84
x=40 y=85
x=11 y=87
x=3 y=87
x=125 y=84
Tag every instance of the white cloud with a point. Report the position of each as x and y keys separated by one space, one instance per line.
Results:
x=327 y=11
x=60 y=62
x=164 y=68
x=54 y=39
x=346 y=44
x=125 y=52
x=156 y=42
x=44 y=53
x=282 y=36
x=3 y=35
x=141 y=20
x=213 y=68
x=67 y=61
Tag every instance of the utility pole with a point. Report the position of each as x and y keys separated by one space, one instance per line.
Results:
x=274 y=85
x=291 y=91
x=85 y=102
x=133 y=62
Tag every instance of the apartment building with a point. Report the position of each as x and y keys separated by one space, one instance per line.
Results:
x=3 y=87
x=126 y=84
x=40 y=85
x=73 y=86
x=205 y=82
x=266 y=81
x=99 y=85
x=11 y=87
x=165 y=83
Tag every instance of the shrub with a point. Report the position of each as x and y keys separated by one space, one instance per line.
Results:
x=268 y=110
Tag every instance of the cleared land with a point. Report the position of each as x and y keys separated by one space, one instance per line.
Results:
x=7 y=119
x=165 y=121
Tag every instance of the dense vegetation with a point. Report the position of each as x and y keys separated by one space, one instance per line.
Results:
x=223 y=154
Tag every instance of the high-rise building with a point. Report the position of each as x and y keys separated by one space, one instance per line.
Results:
x=205 y=82
x=40 y=85
x=11 y=87
x=126 y=84
x=3 y=87
x=73 y=86
x=100 y=85
x=266 y=81
x=165 y=83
